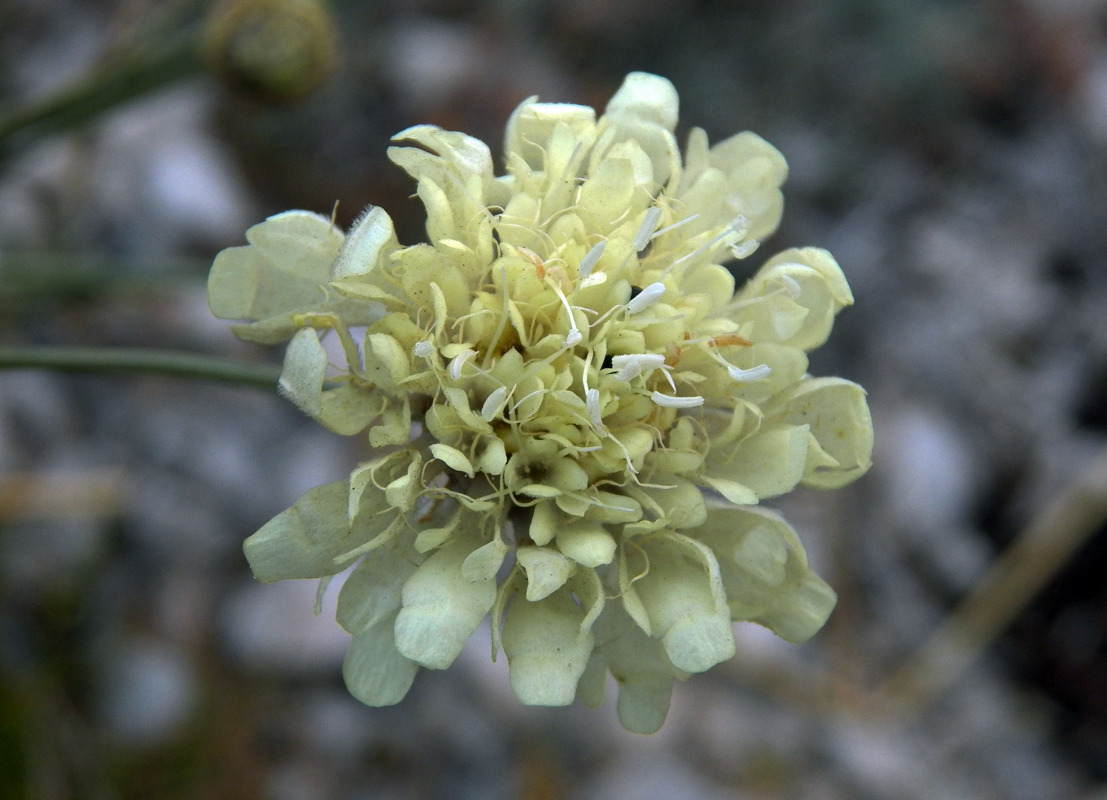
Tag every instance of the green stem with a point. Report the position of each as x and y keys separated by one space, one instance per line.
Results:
x=127 y=79
x=136 y=359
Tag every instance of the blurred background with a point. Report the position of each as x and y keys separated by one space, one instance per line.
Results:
x=950 y=153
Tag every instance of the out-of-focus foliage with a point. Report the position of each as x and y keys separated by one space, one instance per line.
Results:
x=949 y=153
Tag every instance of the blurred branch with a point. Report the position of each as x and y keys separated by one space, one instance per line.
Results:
x=126 y=359
x=130 y=77
x=1039 y=552
x=53 y=275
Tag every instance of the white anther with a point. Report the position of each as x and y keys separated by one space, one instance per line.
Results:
x=744 y=249
x=574 y=337
x=646 y=298
x=753 y=374
x=668 y=401
x=792 y=285
x=493 y=404
x=646 y=229
x=591 y=258
x=424 y=348
x=631 y=366
x=592 y=401
x=458 y=361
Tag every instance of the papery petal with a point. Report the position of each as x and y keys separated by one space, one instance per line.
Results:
x=793 y=602
x=587 y=543
x=838 y=416
x=755 y=171
x=771 y=462
x=650 y=98
x=804 y=320
x=372 y=592
x=640 y=667
x=348 y=409
x=305 y=367
x=546 y=650
x=681 y=504
x=289 y=256
x=546 y=569
x=531 y=124
x=283 y=271
x=371 y=240
x=441 y=607
x=303 y=541
x=686 y=606
x=374 y=670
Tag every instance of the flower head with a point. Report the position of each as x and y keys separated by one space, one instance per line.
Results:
x=578 y=413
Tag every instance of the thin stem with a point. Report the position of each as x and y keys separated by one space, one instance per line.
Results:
x=137 y=359
x=127 y=79
x=1039 y=552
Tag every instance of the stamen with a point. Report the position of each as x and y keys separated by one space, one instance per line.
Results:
x=493 y=404
x=526 y=397
x=575 y=335
x=592 y=398
x=646 y=229
x=591 y=258
x=533 y=258
x=646 y=298
x=737 y=226
x=744 y=249
x=676 y=225
x=792 y=285
x=424 y=348
x=458 y=361
x=668 y=401
x=752 y=374
x=592 y=401
x=631 y=366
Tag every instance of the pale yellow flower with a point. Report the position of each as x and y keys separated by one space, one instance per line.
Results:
x=580 y=412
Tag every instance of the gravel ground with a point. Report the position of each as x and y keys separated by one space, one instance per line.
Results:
x=951 y=154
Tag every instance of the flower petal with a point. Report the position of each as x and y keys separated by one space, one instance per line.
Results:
x=546 y=650
x=792 y=601
x=641 y=668
x=374 y=671
x=547 y=570
x=771 y=462
x=587 y=543
x=305 y=367
x=371 y=240
x=442 y=607
x=372 y=592
x=648 y=97
x=686 y=609
x=836 y=411
x=303 y=541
